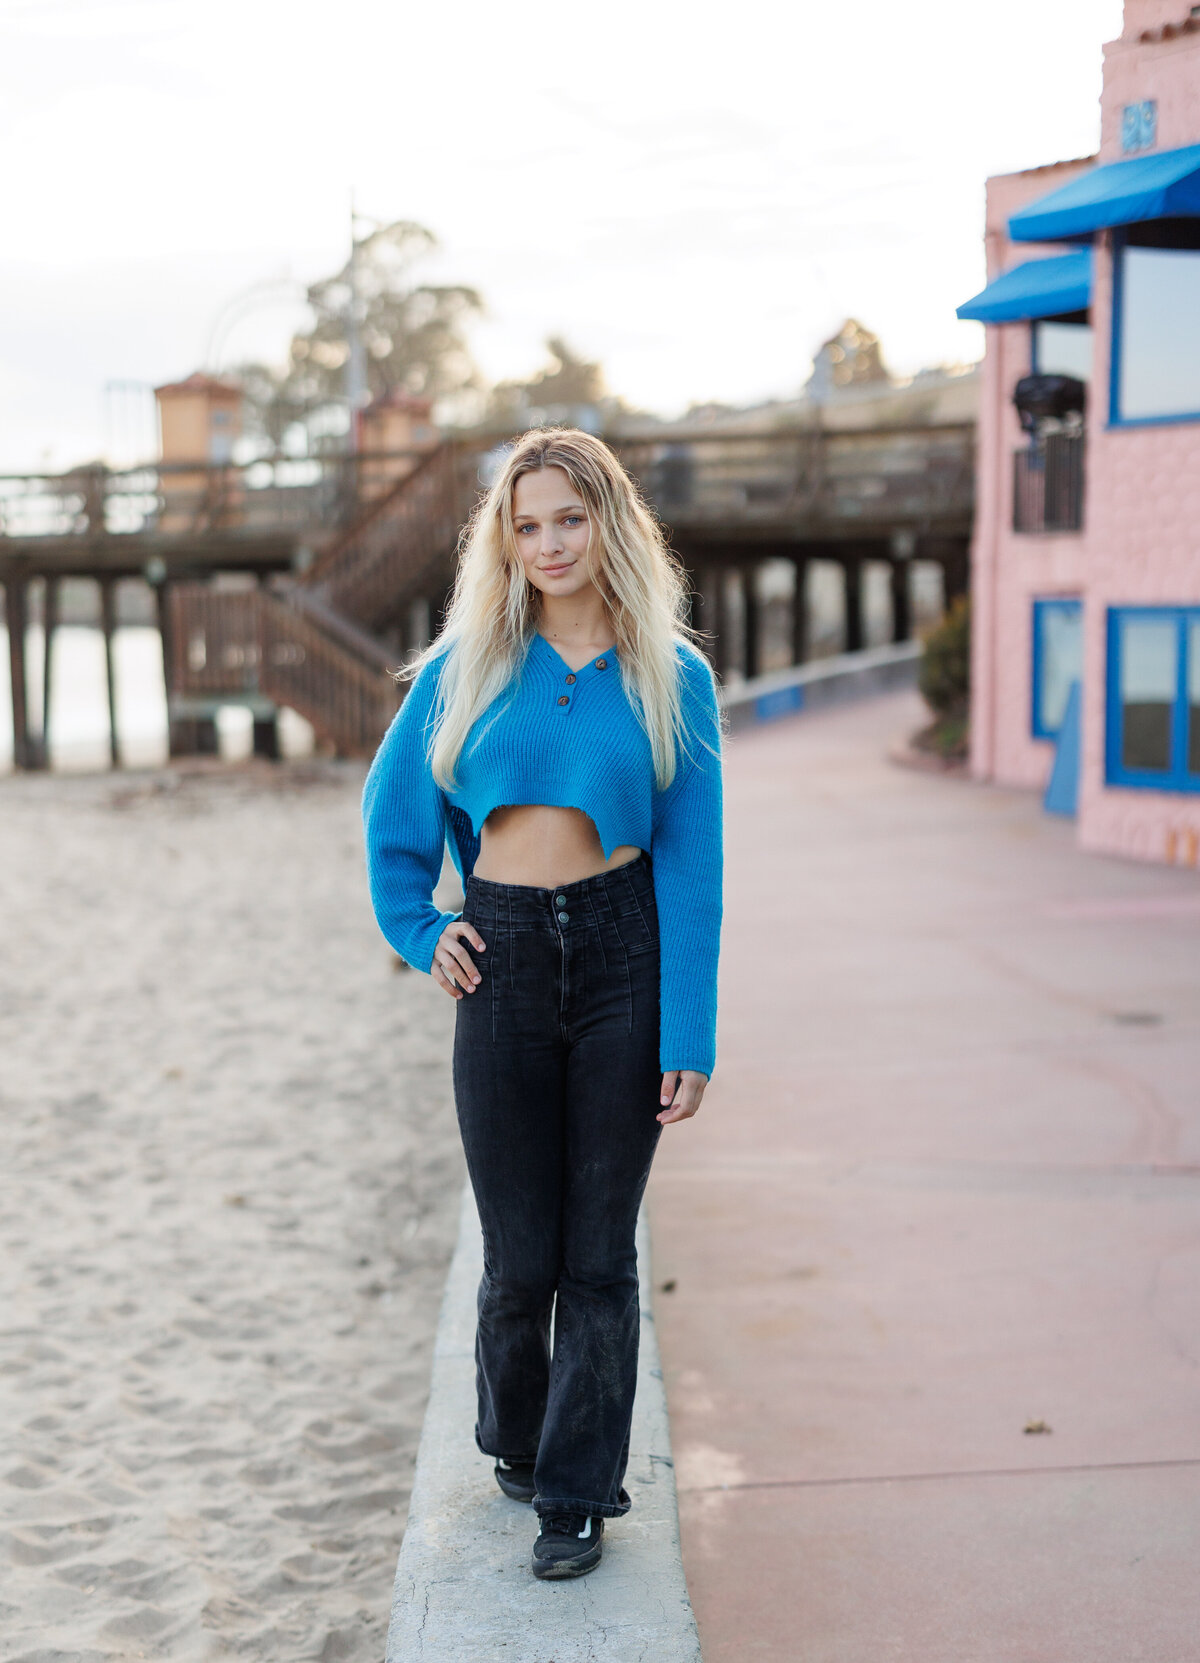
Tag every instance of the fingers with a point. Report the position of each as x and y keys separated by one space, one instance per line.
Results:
x=453 y=968
x=459 y=951
x=469 y=930
x=683 y=1091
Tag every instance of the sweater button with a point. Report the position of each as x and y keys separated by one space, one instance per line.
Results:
x=564 y=699
x=602 y=664
x=570 y=678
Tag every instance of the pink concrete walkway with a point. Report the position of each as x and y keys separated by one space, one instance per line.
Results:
x=945 y=1187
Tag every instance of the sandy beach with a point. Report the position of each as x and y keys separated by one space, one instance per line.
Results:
x=230 y=1187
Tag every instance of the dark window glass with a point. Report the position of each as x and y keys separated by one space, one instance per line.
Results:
x=1159 y=351
x=1149 y=670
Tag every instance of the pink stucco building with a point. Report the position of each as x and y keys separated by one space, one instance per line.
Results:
x=1086 y=553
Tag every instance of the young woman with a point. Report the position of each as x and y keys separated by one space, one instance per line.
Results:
x=564 y=732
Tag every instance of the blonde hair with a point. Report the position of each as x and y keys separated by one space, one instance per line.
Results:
x=494 y=609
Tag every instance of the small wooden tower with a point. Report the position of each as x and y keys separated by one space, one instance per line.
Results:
x=200 y=420
x=395 y=432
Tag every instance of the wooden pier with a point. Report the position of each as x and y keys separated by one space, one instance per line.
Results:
x=278 y=583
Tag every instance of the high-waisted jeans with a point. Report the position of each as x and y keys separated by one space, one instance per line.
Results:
x=556 y=1085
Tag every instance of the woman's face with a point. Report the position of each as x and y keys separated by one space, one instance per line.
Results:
x=552 y=529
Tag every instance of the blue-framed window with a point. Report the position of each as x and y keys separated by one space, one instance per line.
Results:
x=1057 y=660
x=1155 y=373
x=1153 y=717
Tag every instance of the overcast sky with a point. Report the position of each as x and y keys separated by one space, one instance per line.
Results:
x=695 y=195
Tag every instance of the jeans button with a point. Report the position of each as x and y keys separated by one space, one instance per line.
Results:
x=563 y=917
x=560 y=900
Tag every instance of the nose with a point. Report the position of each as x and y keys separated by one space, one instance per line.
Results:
x=552 y=543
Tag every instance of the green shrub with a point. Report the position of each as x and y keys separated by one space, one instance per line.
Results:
x=945 y=673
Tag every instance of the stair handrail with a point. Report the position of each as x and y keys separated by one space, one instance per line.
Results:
x=383 y=559
x=257 y=645
x=359 y=641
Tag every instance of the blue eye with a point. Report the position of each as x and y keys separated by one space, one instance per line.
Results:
x=573 y=519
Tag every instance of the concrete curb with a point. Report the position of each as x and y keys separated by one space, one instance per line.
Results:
x=464 y=1591
x=828 y=681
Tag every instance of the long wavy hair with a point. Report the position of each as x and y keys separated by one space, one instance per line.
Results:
x=494 y=609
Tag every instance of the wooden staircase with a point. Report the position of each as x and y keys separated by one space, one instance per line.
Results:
x=403 y=546
x=254 y=647
x=316 y=646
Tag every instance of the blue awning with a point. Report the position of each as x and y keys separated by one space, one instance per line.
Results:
x=1165 y=185
x=1036 y=289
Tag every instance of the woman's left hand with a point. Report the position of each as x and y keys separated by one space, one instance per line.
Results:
x=682 y=1088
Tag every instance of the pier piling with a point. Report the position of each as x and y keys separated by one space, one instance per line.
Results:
x=16 y=614
x=108 y=624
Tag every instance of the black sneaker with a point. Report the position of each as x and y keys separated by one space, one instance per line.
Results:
x=515 y=1478
x=569 y=1545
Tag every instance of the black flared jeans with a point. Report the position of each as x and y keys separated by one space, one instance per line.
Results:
x=556 y=1085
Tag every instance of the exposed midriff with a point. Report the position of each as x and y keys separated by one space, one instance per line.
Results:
x=543 y=845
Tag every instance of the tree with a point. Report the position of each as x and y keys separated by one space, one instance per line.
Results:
x=851 y=358
x=413 y=336
x=565 y=391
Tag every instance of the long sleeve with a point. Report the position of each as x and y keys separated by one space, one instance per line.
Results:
x=404 y=821
x=687 y=856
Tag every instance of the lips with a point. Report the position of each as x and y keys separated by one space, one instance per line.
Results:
x=553 y=571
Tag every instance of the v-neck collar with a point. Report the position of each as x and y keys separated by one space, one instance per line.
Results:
x=609 y=653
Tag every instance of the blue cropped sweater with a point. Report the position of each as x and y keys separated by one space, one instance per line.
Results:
x=573 y=740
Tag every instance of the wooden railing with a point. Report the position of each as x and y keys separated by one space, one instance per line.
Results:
x=385 y=545
x=250 y=645
x=832 y=479
x=271 y=495
x=841 y=482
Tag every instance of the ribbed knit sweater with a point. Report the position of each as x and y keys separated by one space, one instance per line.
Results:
x=572 y=739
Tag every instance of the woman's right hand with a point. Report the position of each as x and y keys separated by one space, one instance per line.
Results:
x=453 y=967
